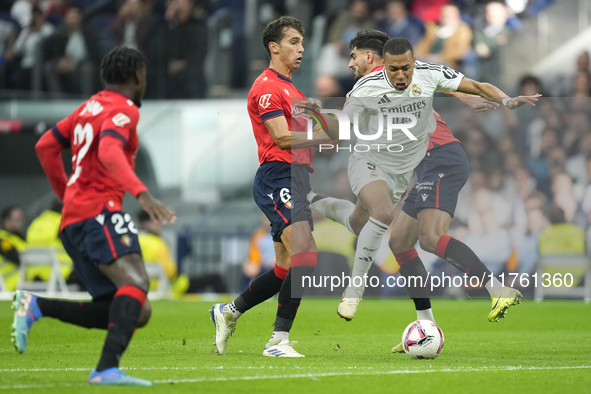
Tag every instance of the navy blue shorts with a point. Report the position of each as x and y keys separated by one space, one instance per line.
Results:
x=280 y=190
x=100 y=240
x=440 y=176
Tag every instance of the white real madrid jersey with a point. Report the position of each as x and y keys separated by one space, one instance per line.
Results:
x=375 y=102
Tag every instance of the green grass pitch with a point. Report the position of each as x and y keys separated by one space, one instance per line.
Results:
x=539 y=348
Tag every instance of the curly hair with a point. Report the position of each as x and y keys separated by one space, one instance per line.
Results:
x=121 y=64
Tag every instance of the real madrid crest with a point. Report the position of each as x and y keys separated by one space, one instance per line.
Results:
x=416 y=90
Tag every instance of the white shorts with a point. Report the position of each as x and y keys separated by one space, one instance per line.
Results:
x=363 y=170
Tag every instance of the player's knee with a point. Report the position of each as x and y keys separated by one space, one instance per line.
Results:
x=141 y=282
x=396 y=246
x=284 y=262
x=145 y=315
x=428 y=241
x=383 y=215
x=357 y=223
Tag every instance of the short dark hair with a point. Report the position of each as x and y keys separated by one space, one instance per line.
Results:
x=121 y=64
x=398 y=46
x=36 y=10
x=370 y=39
x=556 y=215
x=529 y=79
x=77 y=7
x=6 y=212
x=57 y=205
x=143 y=216
x=274 y=31
x=403 y=2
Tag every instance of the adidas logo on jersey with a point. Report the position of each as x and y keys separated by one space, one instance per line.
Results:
x=384 y=100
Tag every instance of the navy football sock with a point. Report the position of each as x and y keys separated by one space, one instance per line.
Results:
x=290 y=295
x=261 y=289
x=83 y=314
x=123 y=316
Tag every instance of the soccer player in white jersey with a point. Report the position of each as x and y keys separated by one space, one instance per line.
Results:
x=380 y=176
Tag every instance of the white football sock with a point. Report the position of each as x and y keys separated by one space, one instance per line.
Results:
x=278 y=336
x=336 y=210
x=493 y=285
x=426 y=314
x=231 y=308
x=370 y=240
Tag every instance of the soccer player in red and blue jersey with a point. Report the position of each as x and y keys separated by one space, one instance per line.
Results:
x=280 y=188
x=100 y=238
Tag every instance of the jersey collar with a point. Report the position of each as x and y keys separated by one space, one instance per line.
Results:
x=282 y=77
x=377 y=68
x=387 y=79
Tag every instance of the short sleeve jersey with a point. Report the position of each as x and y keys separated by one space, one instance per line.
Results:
x=373 y=98
x=91 y=188
x=273 y=95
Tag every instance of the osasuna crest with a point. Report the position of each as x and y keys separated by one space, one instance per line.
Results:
x=286 y=198
x=265 y=100
x=126 y=240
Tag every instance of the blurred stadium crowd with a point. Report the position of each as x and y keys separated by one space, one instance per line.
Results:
x=56 y=45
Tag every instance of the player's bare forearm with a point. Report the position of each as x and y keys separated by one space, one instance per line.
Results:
x=458 y=95
x=313 y=107
x=332 y=124
x=482 y=89
x=492 y=93
x=286 y=139
x=475 y=103
x=300 y=140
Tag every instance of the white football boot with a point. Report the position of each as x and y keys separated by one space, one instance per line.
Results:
x=398 y=348
x=349 y=303
x=225 y=325
x=281 y=348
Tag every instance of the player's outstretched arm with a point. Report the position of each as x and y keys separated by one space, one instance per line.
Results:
x=286 y=139
x=475 y=103
x=49 y=150
x=495 y=94
x=111 y=155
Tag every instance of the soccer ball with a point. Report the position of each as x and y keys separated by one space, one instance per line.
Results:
x=422 y=339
